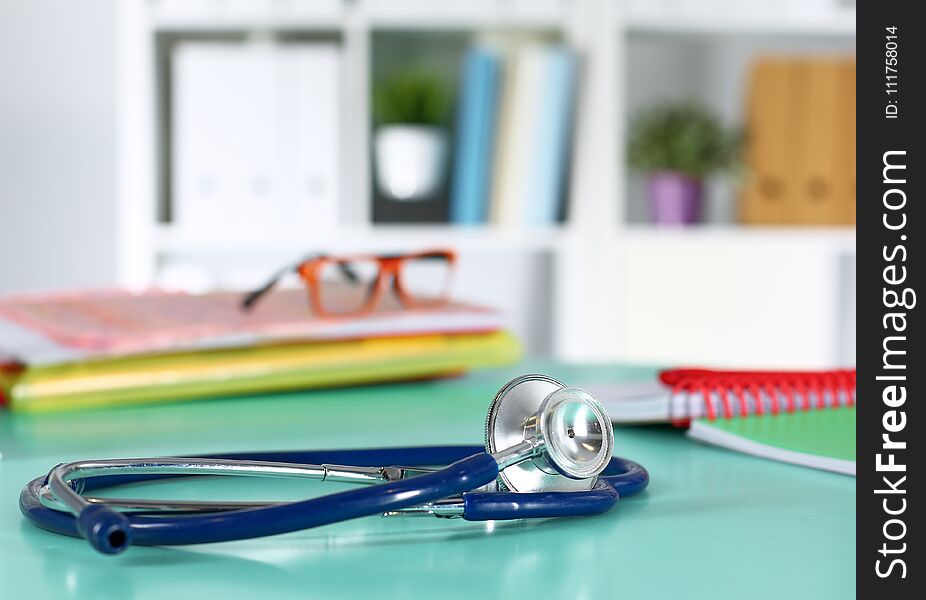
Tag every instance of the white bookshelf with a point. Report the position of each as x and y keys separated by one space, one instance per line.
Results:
x=578 y=280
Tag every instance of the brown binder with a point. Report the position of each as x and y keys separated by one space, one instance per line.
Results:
x=768 y=120
x=800 y=150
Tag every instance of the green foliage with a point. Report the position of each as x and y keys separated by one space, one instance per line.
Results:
x=411 y=97
x=682 y=137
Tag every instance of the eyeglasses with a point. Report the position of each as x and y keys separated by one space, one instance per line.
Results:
x=351 y=285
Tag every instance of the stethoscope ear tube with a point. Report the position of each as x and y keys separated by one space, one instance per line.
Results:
x=111 y=532
x=621 y=478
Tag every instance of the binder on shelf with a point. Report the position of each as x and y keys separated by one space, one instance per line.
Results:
x=801 y=142
x=476 y=121
x=818 y=170
x=255 y=136
x=770 y=131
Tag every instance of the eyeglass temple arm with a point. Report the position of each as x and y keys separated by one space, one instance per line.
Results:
x=251 y=298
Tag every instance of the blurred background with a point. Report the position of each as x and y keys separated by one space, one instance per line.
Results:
x=670 y=181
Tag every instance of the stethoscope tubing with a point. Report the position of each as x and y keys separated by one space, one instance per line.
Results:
x=470 y=468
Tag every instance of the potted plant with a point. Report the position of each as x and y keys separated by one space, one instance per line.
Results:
x=677 y=146
x=410 y=111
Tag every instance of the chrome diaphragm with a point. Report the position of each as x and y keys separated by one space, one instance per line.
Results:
x=568 y=426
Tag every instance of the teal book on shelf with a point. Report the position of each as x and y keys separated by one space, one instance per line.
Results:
x=475 y=136
x=550 y=160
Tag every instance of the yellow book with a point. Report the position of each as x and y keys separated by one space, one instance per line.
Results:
x=271 y=368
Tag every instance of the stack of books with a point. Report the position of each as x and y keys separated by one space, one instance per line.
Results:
x=513 y=134
x=60 y=352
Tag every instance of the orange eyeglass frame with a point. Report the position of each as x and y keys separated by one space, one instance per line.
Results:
x=389 y=270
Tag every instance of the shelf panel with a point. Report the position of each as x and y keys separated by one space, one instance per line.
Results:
x=489 y=237
x=495 y=14
x=838 y=239
x=837 y=23
x=237 y=15
x=171 y=240
x=252 y=24
x=174 y=241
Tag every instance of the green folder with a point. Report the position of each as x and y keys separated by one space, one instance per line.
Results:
x=258 y=369
x=822 y=439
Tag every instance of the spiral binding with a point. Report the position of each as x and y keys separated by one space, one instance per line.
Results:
x=734 y=393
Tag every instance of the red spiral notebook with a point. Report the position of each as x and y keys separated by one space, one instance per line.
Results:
x=805 y=418
x=685 y=394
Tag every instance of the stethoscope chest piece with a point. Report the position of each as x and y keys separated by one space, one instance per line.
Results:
x=575 y=429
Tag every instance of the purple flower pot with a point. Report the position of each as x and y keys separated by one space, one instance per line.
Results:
x=674 y=198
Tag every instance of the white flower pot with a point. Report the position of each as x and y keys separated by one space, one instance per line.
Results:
x=410 y=161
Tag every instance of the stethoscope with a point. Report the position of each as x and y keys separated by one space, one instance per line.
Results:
x=547 y=454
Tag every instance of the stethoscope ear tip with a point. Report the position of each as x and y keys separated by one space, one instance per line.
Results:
x=107 y=530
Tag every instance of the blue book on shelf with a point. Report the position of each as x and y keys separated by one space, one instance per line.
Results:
x=550 y=163
x=475 y=137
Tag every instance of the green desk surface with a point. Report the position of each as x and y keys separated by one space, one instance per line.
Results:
x=712 y=524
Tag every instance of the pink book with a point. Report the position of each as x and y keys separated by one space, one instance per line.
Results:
x=71 y=326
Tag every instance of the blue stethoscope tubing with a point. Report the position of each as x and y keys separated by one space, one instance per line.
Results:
x=470 y=467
